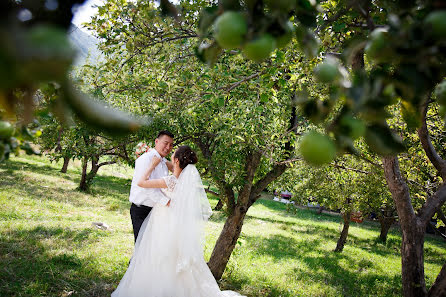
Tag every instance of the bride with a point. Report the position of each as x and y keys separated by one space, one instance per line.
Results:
x=168 y=258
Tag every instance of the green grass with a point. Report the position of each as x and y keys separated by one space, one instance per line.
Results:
x=48 y=246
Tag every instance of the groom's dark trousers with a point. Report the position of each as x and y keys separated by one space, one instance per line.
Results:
x=138 y=215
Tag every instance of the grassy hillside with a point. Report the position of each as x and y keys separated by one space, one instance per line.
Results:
x=48 y=246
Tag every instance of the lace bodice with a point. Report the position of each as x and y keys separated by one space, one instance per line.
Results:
x=171 y=182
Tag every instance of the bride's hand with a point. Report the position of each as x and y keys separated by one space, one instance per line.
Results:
x=155 y=162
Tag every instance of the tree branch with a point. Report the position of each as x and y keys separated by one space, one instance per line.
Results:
x=251 y=164
x=288 y=161
x=433 y=204
x=212 y=192
x=439 y=287
x=230 y=87
x=261 y=184
x=334 y=17
x=399 y=190
x=279 y=168
x=227 y=193
x=106 y=163
x=365 y=12
x=348 y=168
x=429 y=149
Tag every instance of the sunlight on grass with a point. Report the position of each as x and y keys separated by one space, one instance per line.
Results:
x=48 y=246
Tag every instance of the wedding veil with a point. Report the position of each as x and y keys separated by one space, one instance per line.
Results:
x=190 y=210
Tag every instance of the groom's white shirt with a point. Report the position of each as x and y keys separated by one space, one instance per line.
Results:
x=144 y=196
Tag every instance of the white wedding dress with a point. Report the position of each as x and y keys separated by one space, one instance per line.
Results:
x=168 y=258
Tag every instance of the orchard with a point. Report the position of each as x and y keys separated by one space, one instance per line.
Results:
x=255 y=86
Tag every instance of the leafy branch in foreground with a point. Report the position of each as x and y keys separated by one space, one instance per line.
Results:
x=34 y=51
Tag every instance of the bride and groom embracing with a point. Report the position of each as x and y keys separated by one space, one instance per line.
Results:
x=168 y=213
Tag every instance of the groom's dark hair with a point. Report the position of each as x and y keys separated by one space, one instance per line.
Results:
x=165 y=132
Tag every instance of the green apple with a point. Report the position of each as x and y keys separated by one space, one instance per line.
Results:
x=442 y=111
x=6 y=130
x=440 y=93
x=260 y=48
x=317 y=149
x=230 y=29
x=327 y=71
x=355 y=126
x=378 y=46
x=285 y=38
x=47 y=54
x=2 y=150
x=436 y=21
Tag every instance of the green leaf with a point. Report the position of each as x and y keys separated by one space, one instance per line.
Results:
x=221 y=101
x=208 y=53
x=383 y=141
x=99 y=115
x=207 y=18
x=410 y=115
x=338 y=27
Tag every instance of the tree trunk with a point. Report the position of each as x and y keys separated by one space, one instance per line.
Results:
x=358 y=60
x=439 y=287
x=386 y=223
x=83 y=186
x=219 y=205
x=66 y=161
x=321 y=208
x=414 y=284
x=226 y=242
x=94 y=170
x=343 y=238
x=412 y=258
x=87 y=178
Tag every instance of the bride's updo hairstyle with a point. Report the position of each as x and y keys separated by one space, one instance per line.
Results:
x=185 y=156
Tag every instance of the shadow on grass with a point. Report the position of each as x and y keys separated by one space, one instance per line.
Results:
x=320 y=266
x=325 y=266
x=16 y=181
x=330 y=235
x=110 y=187
x=14 y=165
x=263 y=287
x=32 y=263
x=354 y=281
x=391 y=247
x=282 y=247
x=301 y=214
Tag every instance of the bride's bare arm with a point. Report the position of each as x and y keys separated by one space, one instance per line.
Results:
x=153 y=183
x=144 y=182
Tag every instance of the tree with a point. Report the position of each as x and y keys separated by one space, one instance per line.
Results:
x=367 y=94
x=35 y=50
x=393 y=35
x=350 y=185
x=413 y=224
x=75 y=140
x=239 y=117
x=89 y=146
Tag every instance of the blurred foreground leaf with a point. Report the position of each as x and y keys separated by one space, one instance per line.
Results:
x=100 y=116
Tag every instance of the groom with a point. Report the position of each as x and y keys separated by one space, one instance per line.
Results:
x=144 y=199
